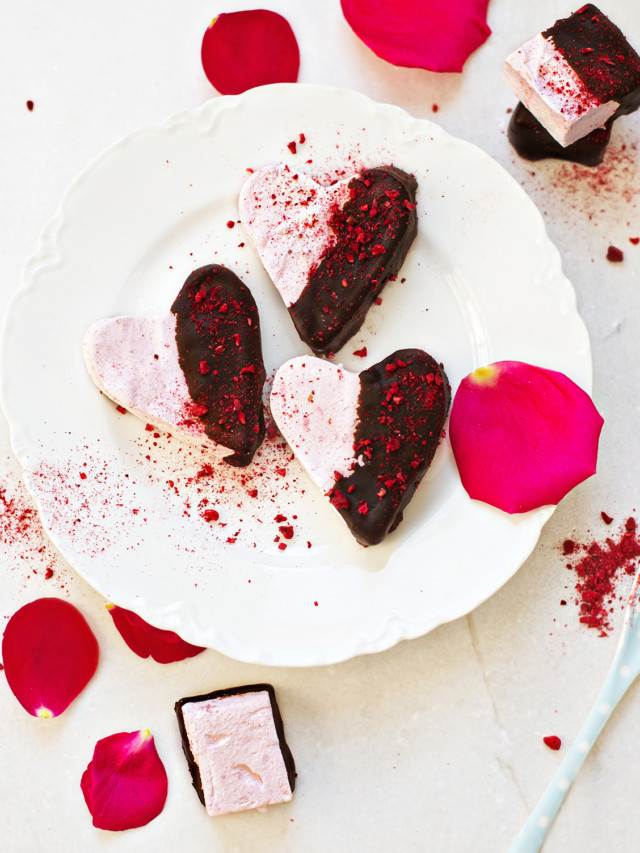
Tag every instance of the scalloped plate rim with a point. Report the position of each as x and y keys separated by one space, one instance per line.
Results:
x=391 y=626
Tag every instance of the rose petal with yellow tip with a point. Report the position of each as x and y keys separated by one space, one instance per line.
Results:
x=125 y=784
x=49 y=654
x=522 y=436
x=145 y=640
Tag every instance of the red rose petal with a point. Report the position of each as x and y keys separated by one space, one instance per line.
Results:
x=49 y=654
x=431 y=34
x=522 y=436
x=125 y=783
x=241 y=50
x=144 y=639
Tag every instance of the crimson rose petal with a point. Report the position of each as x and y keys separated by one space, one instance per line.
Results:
x=144 y=639
x=522 y=436
x=241 y=50
x=431 y=34
x=49 y=654
x=125 y=783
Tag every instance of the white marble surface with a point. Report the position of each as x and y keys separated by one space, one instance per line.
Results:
x=436 y=744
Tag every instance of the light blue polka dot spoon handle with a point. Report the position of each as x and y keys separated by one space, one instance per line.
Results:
x=624 y=669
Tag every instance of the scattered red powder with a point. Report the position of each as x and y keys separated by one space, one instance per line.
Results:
x=600 y=195
x=615 y=255
x=434 y=108
x=292 y=146
x=21 y=530
x=361 y=353
x=598 y=567
x=552 y=741
x=634 y=240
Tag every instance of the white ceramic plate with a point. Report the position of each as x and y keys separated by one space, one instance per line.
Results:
x=482 y=283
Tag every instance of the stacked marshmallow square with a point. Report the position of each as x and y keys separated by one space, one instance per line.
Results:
x=575 y=78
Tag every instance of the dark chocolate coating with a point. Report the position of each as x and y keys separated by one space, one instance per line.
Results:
x=232 y=691
x=374 y=231
x=599 y=53
x=533 y=142
x=220 y=354
x=402 y=409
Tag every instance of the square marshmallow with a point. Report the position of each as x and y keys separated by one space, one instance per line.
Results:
x=234 y=743
x=576 y=75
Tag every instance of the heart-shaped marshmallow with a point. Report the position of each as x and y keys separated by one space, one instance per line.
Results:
x=196 y=372
x=330 y=250
x=366 y=439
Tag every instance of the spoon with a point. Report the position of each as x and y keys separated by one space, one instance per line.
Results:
x=624 y=668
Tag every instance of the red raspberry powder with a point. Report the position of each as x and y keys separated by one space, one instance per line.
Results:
x=598 y=567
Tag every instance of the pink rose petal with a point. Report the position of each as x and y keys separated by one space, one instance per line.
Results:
x=144 y=639
x=125 y=784
x=241 y=50
x=522 y=436
x=437 y=35
x=49 y=654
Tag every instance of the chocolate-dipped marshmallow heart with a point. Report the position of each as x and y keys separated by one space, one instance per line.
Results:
x=366 y=439
x=330 y=250
x=196 y=372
